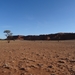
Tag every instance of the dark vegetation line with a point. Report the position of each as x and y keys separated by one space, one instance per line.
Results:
x=57 y=36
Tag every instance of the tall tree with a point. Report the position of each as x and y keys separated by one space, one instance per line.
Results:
x=8 y=35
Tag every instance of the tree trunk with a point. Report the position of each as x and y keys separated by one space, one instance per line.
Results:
x=8 y=41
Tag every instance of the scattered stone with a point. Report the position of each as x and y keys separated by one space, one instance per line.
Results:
x=6 y=66
x=66 y=59
x=57 y=55
x=52 y=74
x=48 y=70
x=22 y=74
x=72 y=61
x=34 y=66
x=40 y=65
x=37 y=54
x=32 y=60
x=73 y=68
x=22 y=68
x=49 y=66
x=24 y=59
x=60 y=61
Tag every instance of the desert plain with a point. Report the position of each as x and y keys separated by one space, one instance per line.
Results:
x=37 y=57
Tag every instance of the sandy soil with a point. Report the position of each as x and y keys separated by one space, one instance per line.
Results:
x=37 y=58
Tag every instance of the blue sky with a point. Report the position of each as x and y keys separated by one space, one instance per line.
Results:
x=34 y=17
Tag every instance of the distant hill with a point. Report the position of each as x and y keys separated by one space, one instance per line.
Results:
x=57 y=36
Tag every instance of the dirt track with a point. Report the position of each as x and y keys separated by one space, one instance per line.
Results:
x=37 y=58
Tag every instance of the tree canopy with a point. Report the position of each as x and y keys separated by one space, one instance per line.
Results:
x=8 y=33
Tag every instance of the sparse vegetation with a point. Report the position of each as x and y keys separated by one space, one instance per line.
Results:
x=8 y=35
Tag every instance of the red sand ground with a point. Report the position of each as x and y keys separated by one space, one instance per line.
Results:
x=37 y=58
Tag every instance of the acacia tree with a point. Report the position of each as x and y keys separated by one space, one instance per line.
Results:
x=8 y=35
